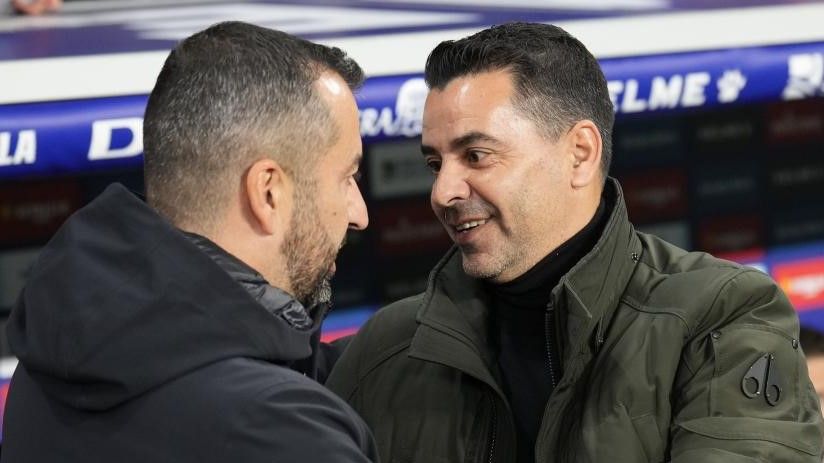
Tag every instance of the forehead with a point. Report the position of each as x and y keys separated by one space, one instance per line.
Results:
x=337 y=96
x=480 y=102
x=469 y=95
x=343 y=111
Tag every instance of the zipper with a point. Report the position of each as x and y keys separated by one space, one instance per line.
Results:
x=493 y=432
x=549 y=335
x=599 y=336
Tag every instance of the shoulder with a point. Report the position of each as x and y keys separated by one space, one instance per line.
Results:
x=256 y=387
x=252 y=410
x=703 y=290
x=249 y=383
x=386 y=335
x=281 y=414
x=296 y=398
x=393 y=323
x=389 y=330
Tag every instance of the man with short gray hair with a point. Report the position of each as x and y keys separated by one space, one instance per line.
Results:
x=186 y=329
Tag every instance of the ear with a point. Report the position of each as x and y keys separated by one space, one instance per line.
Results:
x=268 y=195
x=586 y=148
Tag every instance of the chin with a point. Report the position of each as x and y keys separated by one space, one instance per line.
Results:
x=480 y=269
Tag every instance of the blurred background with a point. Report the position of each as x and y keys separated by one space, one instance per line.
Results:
x=719 y=138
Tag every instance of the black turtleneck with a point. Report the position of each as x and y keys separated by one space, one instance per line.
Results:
x=523 y=330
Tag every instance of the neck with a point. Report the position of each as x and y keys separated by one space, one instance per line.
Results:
x=246 y=246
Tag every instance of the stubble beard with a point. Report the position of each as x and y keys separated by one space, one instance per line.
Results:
x=508 y=256
x=476 y=262
x=309 y=251
x=480 y=270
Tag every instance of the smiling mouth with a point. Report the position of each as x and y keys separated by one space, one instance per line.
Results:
x=466 y=226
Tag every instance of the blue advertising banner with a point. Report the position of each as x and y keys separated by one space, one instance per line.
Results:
x=59 y=137
x=71 y=136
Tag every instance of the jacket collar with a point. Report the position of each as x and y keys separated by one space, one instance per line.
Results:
x=453 y=318
x=276 y=301
x=592 y=288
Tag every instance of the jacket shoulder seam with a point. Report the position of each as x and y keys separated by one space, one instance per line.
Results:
x=724 y=286
x=736 y=271
x=720 y=265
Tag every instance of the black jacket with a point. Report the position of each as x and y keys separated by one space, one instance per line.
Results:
x=135 y=346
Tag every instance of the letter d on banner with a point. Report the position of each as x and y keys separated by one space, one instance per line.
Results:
x=100 y=147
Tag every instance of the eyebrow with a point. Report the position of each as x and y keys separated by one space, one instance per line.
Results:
x=462 y=142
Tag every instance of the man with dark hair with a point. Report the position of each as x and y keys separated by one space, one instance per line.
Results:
x=186 y=329
x=553 y=331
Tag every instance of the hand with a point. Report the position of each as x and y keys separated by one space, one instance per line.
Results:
x=35 y=7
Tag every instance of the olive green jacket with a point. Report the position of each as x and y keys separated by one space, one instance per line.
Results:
x=657 y=346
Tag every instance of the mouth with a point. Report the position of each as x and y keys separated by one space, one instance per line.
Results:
x=464 y=227
x=466 y=221
x=466 y=232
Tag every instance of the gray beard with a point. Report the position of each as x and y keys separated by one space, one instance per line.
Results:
x=321 y=295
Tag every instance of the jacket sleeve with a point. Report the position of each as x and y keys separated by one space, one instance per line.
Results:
x=299 y=421
x=743 y=393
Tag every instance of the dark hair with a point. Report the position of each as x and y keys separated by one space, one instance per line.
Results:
x=227 y=96
x=557 y=80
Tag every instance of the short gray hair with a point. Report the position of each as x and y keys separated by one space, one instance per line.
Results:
x=226 y=97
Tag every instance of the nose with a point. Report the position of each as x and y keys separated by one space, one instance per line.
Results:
x=358 y=215
x=450 y=185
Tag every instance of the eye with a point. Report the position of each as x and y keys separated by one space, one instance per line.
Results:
x=434 y=165
x=357 y=176
x=475 y=156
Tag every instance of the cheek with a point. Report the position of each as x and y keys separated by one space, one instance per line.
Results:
x=334 y=207
x=514 y=194
x=340 y=210
x=534 y=199
x=340 y=203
